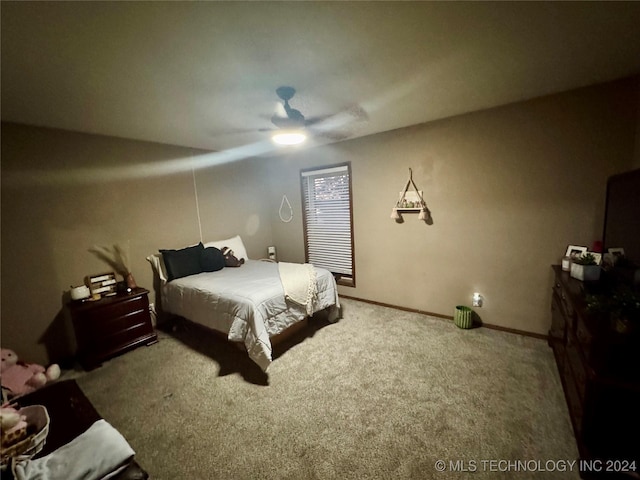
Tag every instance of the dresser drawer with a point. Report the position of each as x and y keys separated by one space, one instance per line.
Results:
x=557 y=332
x=585 y=339
x=577 y=365
x=92 y=329
x=565 y=304
x=573 y=400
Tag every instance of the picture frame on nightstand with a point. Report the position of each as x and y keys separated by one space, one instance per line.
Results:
x=102 y=284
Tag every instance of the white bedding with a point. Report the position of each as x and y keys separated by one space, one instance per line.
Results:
x=247 y=303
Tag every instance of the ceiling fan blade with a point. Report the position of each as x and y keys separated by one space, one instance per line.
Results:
x=334 y=135
x=280 y=110
x=352 y=113
x=309 y=121
x=239 y=131
x=286 y=122
x=357 y=112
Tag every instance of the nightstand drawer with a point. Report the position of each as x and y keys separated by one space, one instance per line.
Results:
x=93 y=329
x=117 y=309
x=125 y=337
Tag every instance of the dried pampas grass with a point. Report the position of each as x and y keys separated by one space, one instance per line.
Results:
x=115 y=256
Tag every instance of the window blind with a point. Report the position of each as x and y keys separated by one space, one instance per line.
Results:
x=326 y=195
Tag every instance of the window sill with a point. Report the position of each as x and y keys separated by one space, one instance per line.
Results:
x=346 y=282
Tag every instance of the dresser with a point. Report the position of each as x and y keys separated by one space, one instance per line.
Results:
x=111 y=326
x=600 y=373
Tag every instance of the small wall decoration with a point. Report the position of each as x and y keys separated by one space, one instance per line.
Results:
x=411 y=202
x=286 y=218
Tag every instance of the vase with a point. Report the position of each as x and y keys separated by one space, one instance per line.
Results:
x=131 y=282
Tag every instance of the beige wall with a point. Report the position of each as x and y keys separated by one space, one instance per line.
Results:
x=508 y=188
x=63 y=192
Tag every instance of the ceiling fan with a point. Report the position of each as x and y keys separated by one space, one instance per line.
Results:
x=293 y=118
x=293 y=126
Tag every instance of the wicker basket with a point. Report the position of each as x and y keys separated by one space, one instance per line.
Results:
x=38 y=424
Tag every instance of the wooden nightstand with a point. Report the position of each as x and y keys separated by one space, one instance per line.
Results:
x=111 y=326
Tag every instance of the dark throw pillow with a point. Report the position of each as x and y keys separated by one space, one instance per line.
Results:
x=212 y=260
x=183 y=262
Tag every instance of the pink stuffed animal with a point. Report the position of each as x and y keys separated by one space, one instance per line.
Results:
x=20 y=377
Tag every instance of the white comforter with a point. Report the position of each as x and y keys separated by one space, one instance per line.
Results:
x=247 y=303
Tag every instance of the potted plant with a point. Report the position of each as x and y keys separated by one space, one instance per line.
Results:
x=585 y=268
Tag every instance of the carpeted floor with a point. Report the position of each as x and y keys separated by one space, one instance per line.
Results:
x=383 y=394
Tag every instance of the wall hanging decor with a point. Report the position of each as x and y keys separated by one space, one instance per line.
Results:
x=411 y=202
x=283 y=216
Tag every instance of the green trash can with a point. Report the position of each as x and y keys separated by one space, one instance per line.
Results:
x=462 y=317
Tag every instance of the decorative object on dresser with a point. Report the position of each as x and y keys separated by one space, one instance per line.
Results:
x=80 y=292
x=117 y=258
x=599 y=368
x=102 y=285
x=111 y=326
x=574 y=251
x=585 y=267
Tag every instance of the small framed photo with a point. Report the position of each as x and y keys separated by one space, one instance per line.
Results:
x=617 y=252
x=597 y=256
x=574 y=251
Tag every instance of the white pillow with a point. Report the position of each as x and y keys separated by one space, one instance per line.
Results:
x=157 y=263
x=234 y=243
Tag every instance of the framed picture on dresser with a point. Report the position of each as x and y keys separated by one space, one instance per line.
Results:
x=575 y=251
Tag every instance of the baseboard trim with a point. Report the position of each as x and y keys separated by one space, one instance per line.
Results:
x=514 y=331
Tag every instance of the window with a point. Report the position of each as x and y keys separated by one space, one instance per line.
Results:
x=328 y=220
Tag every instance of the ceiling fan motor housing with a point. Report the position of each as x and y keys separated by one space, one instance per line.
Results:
x=285 y=93
x=294 y=118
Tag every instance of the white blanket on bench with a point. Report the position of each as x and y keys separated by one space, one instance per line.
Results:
x=96 y=454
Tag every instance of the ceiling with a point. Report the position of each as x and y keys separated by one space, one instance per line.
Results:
x=204 y=74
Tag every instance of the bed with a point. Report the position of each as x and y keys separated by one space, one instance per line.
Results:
x=249 y=304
